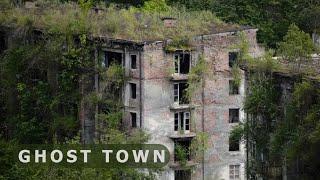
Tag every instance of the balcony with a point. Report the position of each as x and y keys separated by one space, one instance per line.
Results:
x=179 y=107
x=178 y=166
x=185 y=135
x=179 y=77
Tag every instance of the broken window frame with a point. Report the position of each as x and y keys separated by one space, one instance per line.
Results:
x=106 y=62
x=182 y=121
x=133 y=63
x=234 y=89
x=234 y=145
x=178 y=96
x=177 y=62
x=133 y=118
x=232 y=118
x=186 y=143
x=234 y=172
x=133 y=90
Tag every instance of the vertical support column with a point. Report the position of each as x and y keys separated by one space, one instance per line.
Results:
x=124 y=95
x=140 y=90
x=202 y=113
x=87 y=109
x=96 y=87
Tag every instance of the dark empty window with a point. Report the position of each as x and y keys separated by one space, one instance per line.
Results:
x=38 y=36
x=182 y=174
x=133 y=62
x=35 y=74
x=133 y=119
x=233 y=56
x=182 y=121
x=3 y=42
x=182 y=63
x=176 y=92
x=233 y=87
x=234 y=144
x=112 y=58
x=180 y=93
x=176 y=121
x=233 y=115
x=133 y=90
x=182 y=150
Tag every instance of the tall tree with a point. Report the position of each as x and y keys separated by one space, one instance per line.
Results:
x=296 y=47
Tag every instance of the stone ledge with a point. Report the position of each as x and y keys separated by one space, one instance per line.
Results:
x=185 y=135
x=177 y=166
x=179 y=77
x=181 y=106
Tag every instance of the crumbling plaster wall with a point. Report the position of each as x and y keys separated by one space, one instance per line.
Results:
x=157 y=97
x=216 y=104
x=157 y=94
x=132 y=76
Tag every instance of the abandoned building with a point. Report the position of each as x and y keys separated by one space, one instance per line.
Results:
x=155 y=99
x=155 y=95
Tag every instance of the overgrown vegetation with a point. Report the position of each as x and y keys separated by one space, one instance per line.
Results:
x=279 y=122
x=199 y=144
x=296 y=47
x=137 y=24
x=46 y=77
x=40 y=100
x=196 y=77
x=181 y=154
x=179 y=44
x=51 y=58
x=53 y=49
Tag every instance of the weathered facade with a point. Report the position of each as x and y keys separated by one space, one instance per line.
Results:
x=155 y=100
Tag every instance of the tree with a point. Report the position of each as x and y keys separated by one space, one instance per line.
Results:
x=296 y=47
x=296 y=138
x=309 y=19
x=155 y=6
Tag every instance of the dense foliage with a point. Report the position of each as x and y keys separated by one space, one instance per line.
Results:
x=273 y=18
x=49 y=64
x=40 y=100
x=296 y=138
x=280 y=122
x=297 y=46
x=46 y=76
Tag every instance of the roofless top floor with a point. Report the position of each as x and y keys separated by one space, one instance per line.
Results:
x=156 y=61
